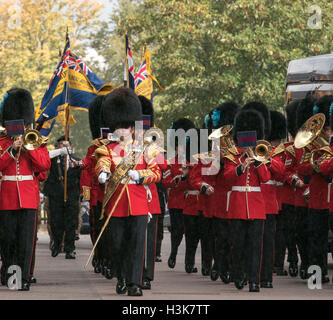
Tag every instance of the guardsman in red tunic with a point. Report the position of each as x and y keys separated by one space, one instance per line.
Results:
x=19 y=194
x=153 y=153
x=276 y=168
x=319 y=195
x=221 y=116
x=129 y=219
x=173 y=179
x=92 y=192
x=246 y=204
x=285 y=220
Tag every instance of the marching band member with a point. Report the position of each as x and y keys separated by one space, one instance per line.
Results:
x=318 y=198
x=19 y=194
x=246 y=205
x=276 y=168
x=130 y=209
x=173 y=179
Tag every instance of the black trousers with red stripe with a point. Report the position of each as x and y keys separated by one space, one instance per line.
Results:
x=150 y=248
x=246 y=244
x=18 y=236
x=127 y=236
x=177 y=229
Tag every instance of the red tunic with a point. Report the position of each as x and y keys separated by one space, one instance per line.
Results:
x=19 y=187
x=326 y=168
x=134 y=201
x=246 y=199
x=268 y=188
x=319 y=192
x=172 y=182
x=91 y=189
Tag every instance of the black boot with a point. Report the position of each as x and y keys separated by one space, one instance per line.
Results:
x=226 y=277
x=190 y=269
x=172 y=261
x=254 y=287
x=32 y=279
x=121 y=287
x=134 y=291
x=25 y=286
x=214 y=274
x=146 y=284
x=266 y=284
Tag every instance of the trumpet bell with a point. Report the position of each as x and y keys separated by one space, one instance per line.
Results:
x=32 y=139
x=310 y=131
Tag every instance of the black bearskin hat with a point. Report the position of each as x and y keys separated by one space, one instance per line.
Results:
x=249 y=120
x=182 y=123
x=291 y=112
x=95 y=108
x=148 y=109
x=304 y=110
x=323 y=105
x=222 y=115
x=263 y=109
x=121 y=109
x=279 y=126
x=18 y=104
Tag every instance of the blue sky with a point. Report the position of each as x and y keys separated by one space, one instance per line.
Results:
x=108 y=5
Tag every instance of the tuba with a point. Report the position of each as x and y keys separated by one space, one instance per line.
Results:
x=224 y=135
x=311 y=135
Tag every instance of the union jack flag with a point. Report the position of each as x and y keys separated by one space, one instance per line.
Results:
x=141 y=75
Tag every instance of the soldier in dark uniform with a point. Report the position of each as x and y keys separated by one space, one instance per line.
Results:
x=64 y=215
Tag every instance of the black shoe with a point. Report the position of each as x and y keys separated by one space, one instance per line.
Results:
x=281 y=272
x=146 y=284
x=214 y=275
x=239 y=284
x=293 y=269
x=94 y=262
x=171 y=262
x=254 y=287
x=205 y=271
x=108 y=274
x=70 y=255
x=158 y=259
x=266 y=284
x=134 y=291
x=32 y=279
x=121 y=287
x=25 y=286
x=190 y=269
x=55 y=251
x=303 y=273
x=97 y=268
x=226 y=277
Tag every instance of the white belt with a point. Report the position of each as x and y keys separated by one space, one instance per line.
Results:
x=246 y=189
x=270 y=182
x=17 y=178
x=279 y=184
x=192 y=192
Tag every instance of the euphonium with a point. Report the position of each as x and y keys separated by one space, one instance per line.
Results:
x=224 y=135
x=311 y=134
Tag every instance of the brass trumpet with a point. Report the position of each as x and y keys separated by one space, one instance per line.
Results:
x=32 y=139
x=262 y=151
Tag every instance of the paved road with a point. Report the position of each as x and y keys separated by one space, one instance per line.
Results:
x=59 y=278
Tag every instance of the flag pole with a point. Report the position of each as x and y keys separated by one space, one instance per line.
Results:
x=67 y=111
x=126 y=62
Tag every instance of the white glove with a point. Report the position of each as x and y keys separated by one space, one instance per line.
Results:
x=41 y=197
x=103 y=176
x=150 y=216
x=58 y=152
x=134 y=175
